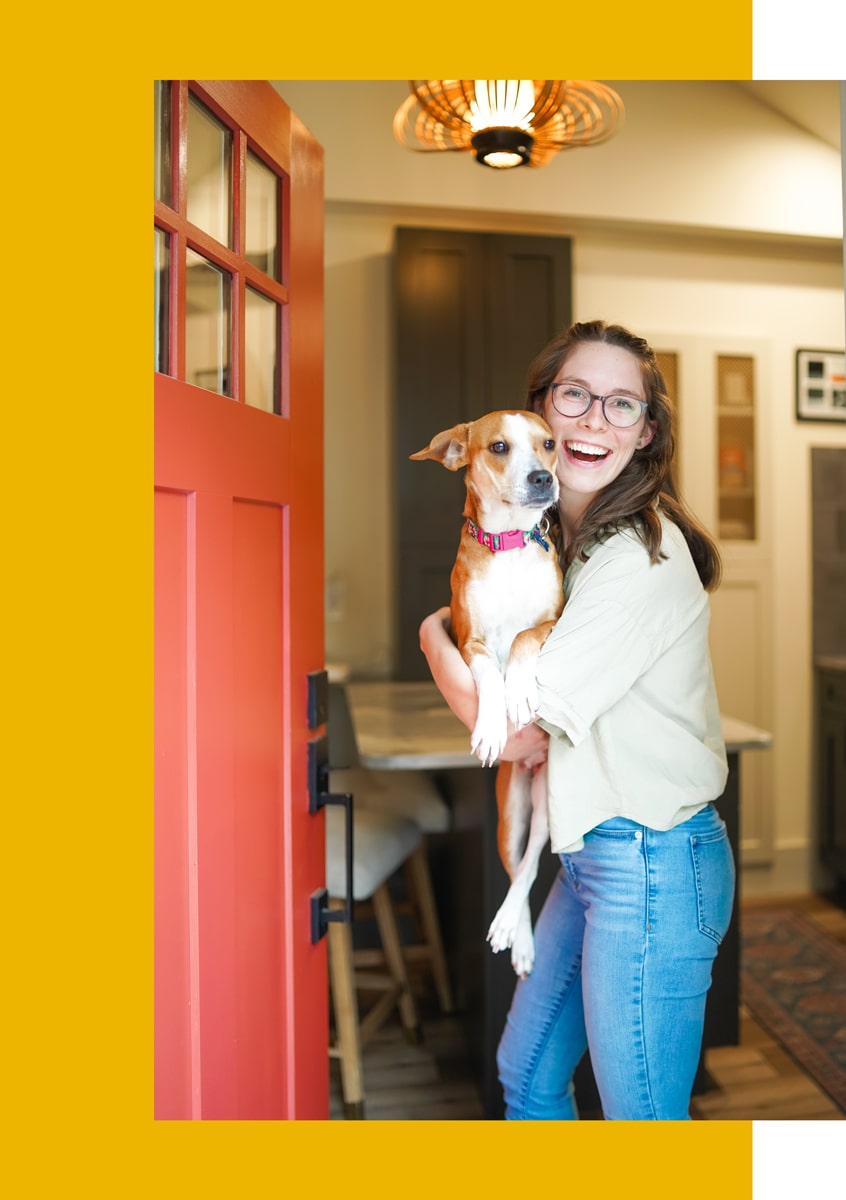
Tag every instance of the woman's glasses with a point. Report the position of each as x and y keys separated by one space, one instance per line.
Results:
x=572 y=400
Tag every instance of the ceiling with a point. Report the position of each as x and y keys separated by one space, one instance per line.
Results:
x=812 y=104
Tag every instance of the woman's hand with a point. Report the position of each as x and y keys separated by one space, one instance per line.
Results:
x=528 y=746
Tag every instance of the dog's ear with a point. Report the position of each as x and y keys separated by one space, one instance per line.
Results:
x=449 y=447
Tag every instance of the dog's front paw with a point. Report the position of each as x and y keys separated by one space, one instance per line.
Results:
x=487 y=740
x=521 y=694
x=490 y=732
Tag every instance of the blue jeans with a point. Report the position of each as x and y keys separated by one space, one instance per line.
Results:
x=624 y=949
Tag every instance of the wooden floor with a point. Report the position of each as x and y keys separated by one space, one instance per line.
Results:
x=755 y=1081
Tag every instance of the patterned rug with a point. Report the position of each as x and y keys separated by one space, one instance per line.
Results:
x=793 y=981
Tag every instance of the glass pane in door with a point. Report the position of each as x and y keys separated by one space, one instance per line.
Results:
x=262 y=216
x=161 y=305
x=162 y=154
x=208 y=321
x=262 y=354
x=209 y=173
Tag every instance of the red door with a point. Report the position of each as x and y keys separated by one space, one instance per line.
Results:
x=240 y=991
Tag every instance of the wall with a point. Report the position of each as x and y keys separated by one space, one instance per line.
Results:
x=843 y=165
x=696 y=154
x=668 y=262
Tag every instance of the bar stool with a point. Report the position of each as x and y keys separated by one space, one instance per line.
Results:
x=411 y=795
x=381 y=844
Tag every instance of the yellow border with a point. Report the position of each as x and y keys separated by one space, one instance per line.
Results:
x=79 y=602
x=655 y=39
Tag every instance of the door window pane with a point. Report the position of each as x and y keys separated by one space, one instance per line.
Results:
x=162 y=159
x=208 y=320
x=262 y=357
x=262 y=216
x=209 y=173
x=161 y=300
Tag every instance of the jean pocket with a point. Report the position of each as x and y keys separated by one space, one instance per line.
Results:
x=713 y=869
x=618 y=829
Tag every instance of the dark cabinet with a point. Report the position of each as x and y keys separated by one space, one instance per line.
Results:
x=828 y=499
x=831 y=770
x=472 y=311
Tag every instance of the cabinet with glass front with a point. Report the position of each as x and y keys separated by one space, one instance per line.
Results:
x=736 y=459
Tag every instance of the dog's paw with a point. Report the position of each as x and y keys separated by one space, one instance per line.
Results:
x=490 y=732
x=512 y=927
x=521 y=694
x=487 y=741
x=523 y=952
x=500 y=934
x=508 y=922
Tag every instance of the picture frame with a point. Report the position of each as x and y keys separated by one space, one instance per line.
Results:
x=821 y=385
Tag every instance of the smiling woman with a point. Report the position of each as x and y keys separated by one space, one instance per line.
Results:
x=627 y=711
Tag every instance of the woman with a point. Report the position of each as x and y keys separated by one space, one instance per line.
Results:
x=628 y=717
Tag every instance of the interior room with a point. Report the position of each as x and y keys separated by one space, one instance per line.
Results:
x=711 y=223
x=731 y=243
x=728 y=246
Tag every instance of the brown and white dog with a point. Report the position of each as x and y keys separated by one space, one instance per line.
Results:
x=506 y=596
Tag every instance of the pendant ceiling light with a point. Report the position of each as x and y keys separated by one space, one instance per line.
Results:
x=507 y=122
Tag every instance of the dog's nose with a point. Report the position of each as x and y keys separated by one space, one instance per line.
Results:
x=540 y=478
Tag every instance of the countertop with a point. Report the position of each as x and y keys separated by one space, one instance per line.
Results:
x=408 y=725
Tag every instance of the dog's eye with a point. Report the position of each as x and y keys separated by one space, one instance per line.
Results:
x=498 y=447
x=549 y=444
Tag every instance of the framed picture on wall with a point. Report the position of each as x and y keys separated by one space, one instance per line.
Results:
x=820 y=385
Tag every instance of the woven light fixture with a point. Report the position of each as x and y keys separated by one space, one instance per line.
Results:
x=507 y=122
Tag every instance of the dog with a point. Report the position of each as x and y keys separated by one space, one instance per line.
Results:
x=506 y=595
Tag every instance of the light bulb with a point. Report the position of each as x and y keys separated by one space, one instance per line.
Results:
x=502 y=103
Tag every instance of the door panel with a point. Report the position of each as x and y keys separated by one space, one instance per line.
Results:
x=174 y=817
x=241 y=994
x=259 y=554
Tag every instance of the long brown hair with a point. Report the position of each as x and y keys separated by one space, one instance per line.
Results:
x=648 y=480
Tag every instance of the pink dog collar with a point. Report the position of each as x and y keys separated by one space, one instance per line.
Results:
x=511 y=539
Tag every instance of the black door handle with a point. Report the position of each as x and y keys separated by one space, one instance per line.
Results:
x=318 y=797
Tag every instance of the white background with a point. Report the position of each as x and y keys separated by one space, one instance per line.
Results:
x=792 y=41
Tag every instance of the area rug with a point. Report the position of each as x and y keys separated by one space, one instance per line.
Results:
x=793 y=981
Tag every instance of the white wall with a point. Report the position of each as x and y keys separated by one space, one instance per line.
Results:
x=683 y=234
x=691 y=153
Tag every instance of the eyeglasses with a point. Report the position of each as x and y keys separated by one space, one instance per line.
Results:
x=572 y=400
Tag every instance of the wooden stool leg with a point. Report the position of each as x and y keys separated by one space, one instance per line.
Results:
x=345 y=1004
x=418 y=865
x=383 y=910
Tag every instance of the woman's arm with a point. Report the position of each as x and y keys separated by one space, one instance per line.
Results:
x=449 y=670
x=457 y=686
